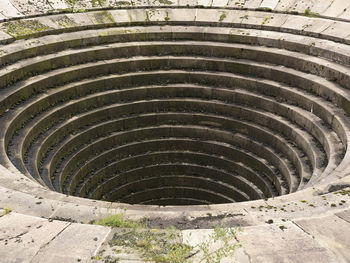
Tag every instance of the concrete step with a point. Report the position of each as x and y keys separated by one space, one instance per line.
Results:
x=26 y=238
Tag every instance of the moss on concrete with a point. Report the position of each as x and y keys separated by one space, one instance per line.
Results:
x=104 y=17
x=22 y=28
x=66 y=22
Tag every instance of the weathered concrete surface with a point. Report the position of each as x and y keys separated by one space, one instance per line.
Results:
x=270 y=4
x=76 y=242
x=17 y=8
x=344 y=215
x=270 y=243
x=307 y=240
x=8 y=10
x=31 y=239
x=23 y=236
x=332 y=232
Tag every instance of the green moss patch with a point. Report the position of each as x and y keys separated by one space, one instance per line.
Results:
x=22 y=28
x=104 y=17
x=166 y=2
x=7 y=210
x=65 y=22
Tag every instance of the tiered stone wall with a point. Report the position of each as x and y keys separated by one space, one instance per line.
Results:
x=206 y=105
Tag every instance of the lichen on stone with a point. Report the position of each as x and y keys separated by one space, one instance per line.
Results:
x=65 y=22
x=102 y=17
x=22 y=28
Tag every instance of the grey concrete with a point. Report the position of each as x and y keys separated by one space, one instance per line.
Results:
x=331 y=232
x=76 y=243
x=270 y=4
x=270 y=243
x=22 y=236
x=345 y=215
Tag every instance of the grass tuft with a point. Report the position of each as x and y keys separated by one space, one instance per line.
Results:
x=7 y=210
x=117 y=220
x=308 y=13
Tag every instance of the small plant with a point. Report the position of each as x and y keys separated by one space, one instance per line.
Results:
x=308 y=13
x=221 y=234
x=7 y=210
x=305 y=26
x=177 y=253
x=243 y=18
x=266 y=20
x=343 y=192
x=117 y=220
x=167 y=18
x=223 y=16
x=147 y=17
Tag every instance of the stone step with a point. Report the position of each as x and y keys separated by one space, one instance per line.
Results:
x=32 y=239
x=82 y=153
x=164 y=131
x=223 y=172
x=96 y=165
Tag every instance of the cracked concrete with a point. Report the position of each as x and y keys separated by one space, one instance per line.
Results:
x=26 y=238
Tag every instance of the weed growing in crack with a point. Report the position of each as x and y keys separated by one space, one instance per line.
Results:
x=227 y=247
x=119 y=221
x=166 y=245
x=7 y=210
